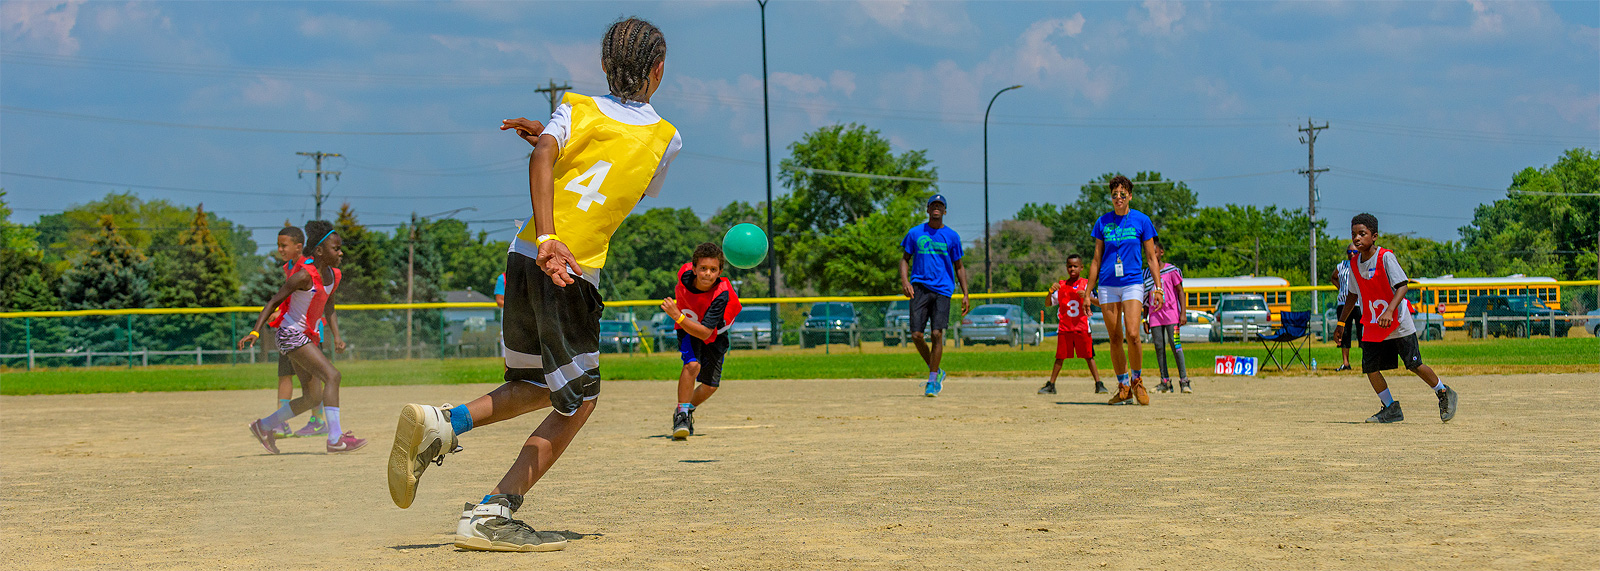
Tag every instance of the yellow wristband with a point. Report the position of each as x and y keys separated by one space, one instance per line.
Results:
x=253 y=333
x=545 y=238
x=680 y=318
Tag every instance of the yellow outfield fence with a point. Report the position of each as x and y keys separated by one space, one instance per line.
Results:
x=656 y=302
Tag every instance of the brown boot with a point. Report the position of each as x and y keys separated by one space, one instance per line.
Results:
x=1124 y=392
x=1139 y=392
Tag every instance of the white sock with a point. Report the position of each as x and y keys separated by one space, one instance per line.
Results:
x=283 y=414
x=1384 y=396
x=334 y=432
x=1440 y=387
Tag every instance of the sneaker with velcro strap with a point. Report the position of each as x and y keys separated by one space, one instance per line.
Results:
x=492 y=528
x=1447 y=404
x=1390 y=413
x=424 y=436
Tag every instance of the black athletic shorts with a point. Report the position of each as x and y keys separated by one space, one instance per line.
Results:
x=709 y=355
x=926 y=305
x=1387 y=354
x=552 y=334
x=1351 y=332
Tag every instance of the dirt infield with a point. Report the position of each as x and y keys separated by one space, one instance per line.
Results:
x=847 y=474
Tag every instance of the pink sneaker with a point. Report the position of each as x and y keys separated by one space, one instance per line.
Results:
x=264 y=435
x=316 y=427
x=347 y=443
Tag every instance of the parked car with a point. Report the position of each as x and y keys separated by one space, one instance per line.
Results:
x=1430 y=326
x=752 y=325
x=1000 y=322
x=617 y=336
x=830 y=322
x=897 y=319
x=1593 y=325
x=660 y=328
x=1241 y=316
x=1097 y=328
x=1533 y=314
x=1198 y=328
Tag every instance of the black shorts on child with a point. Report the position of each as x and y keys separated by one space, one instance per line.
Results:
x=709 y=355
x=552 y=334
x=1390 y=353
x=928 y=305
x=286 y=367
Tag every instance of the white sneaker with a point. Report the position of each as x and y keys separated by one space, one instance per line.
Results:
x=424 y=435
x=464 y=527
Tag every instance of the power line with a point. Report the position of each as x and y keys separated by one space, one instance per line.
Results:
x=103 y=119
x=248 y=193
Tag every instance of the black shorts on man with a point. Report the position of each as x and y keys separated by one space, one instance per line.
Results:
x=709 y=355
x=552 y=334
x=1389 y=354
x=927 y=305
x=1351 y=332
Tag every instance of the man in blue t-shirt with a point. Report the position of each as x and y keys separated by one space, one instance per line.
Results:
x=929 y=271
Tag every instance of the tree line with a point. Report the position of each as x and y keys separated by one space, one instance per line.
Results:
x=833 y=235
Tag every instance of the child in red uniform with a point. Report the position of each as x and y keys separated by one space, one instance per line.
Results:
x=291 y=243
x=704 y=307
x=1072 y=329
x=1388 y=334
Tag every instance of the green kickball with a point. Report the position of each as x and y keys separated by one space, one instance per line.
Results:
x=745 y=246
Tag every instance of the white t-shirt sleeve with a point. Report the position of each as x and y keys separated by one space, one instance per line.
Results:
x=560 y=125
x=1055 y=298
x=654 y=190
x=1392 y=267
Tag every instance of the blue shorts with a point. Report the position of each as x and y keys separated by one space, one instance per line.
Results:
x=709 y=355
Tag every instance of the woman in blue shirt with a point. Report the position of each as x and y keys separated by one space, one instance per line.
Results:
x=1124 y=243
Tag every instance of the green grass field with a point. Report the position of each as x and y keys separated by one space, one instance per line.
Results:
x=1449 y=357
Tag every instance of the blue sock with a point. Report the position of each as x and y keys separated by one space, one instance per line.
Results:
x=1384 y=396
x=283 y=415
x=1138 y=373
x=460 y=420
x=933 y=376
x=685 y=407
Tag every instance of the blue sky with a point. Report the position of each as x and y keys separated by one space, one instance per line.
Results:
x=1452 y=97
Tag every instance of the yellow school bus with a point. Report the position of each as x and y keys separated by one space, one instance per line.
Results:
x=1203 y=293
x=1448 y=295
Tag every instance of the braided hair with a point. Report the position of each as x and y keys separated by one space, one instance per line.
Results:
x=631 y=48
x=317 y=231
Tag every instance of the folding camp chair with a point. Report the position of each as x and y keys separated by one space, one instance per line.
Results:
x=1291 y=333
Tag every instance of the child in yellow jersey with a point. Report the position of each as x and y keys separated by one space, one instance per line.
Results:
x=594 y=160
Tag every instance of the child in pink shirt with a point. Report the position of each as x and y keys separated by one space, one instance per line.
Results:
x=1163 y=322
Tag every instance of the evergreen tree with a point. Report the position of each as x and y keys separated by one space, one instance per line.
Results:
x=109 y=274
x=368 y=277
x=27 y=283
x=195 y=271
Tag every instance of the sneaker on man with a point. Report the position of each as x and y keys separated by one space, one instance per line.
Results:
x=347 y=442
x=1048 y=389
x=315 y=427
x=493 y=529
x=1139 y=393
x=1389 y=413
x=934 y=386
x=1184 y=386
x=282 y=431
x=1124 y=394
x=1447 y=403
x=1164 y=387
x=1100 y=388
x=680 y=425
x=464 y=525
x=264 y=435
x=424 y=435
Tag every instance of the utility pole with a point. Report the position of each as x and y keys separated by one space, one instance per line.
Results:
x=411 y=259
x=320 y=174
x=1311 y=170
x=766 y=125
x=553 y=93
x=1258 y=257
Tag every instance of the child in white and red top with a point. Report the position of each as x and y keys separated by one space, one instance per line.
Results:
x=1164 y=321
x=308 y=288
x=1388 y=336
x=1072 y=328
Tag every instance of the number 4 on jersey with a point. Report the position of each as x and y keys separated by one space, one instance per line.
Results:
x=587 y=185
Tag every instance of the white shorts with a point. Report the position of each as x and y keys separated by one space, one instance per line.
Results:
x=1108 y=294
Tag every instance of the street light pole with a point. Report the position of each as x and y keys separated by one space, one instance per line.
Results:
x=766 y=125
x=988 y=278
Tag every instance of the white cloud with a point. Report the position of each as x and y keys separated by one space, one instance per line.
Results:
x=1162 y=17
x=843 y=81
x=40 y=25
x=340 y=27
x=1221 y=101
x=921 y=21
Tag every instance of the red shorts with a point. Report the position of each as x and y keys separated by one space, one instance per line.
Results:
x=1071 y=344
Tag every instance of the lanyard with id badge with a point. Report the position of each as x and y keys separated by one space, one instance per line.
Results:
x=1118 y=267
